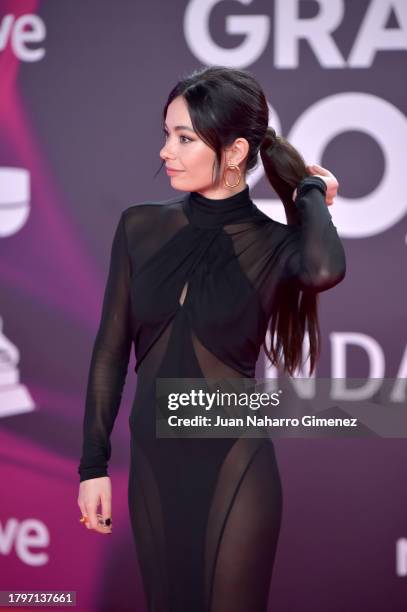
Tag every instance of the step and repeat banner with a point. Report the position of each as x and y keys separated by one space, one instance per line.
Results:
x=82 y=86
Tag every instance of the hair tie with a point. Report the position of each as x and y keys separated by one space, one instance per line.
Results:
x=269 y=140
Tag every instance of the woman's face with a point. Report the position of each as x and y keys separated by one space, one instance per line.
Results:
x=185 y=151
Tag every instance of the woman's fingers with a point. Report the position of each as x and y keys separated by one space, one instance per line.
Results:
x=317 y=169
x=106 y=515
x=83 y=512
x=92 y=493
x=91 y=508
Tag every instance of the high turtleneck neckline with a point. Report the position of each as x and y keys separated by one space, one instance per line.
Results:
x=209 y=212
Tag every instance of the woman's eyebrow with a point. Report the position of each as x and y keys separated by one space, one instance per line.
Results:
x=181 y=127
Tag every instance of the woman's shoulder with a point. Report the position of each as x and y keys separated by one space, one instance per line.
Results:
x=153 y=207
x=266 y=225
x=147 y=213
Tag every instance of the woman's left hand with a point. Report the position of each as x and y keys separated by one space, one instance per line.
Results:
x=330 y=180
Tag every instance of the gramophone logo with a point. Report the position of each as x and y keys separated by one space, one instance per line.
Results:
x=14 y=210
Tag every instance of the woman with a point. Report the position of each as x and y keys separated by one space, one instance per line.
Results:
x=195 y=282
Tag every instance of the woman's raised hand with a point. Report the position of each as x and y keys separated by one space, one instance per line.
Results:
x=93 y=492
x=330 y=179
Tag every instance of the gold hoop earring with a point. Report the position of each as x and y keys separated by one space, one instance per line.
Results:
x=228 y=167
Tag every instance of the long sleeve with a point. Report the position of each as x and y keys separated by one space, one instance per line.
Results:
x=109 y=362
x=318 y=261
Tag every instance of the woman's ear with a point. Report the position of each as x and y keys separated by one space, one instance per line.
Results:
x=238 y=151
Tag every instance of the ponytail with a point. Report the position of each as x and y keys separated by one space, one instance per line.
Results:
x=294 y=311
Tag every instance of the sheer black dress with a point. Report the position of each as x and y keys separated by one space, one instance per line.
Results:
x=191 y=283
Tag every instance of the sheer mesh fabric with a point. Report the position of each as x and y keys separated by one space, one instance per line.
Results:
x=191 y=285
x=222 y=559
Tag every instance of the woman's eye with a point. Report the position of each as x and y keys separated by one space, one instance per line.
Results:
x=186 y=137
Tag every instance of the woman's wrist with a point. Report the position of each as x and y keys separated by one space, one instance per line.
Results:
x=307 y=183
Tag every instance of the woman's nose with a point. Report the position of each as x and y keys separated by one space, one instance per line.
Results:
x=164 y=154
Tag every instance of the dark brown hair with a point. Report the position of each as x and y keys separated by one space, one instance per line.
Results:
x=225 y=104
